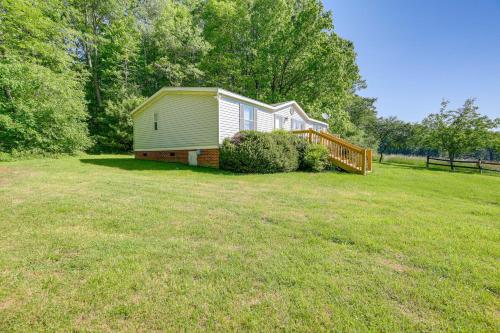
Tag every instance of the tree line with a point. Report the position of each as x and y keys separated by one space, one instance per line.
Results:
x=461 y=132
x=72 y=70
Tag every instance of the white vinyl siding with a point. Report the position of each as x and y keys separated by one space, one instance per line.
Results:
x=264 y=120
x=285 y=113
x=288 y=117
x=229 y=118
x=182 y=121
x=196 y=120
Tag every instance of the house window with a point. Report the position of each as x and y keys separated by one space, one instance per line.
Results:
x=279 y=121
x=156 y=121
x=298 y=125
x=247 y=117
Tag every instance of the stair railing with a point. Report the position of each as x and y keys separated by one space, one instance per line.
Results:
x=344 y=154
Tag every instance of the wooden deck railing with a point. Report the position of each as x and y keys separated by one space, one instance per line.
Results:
x=343 y=154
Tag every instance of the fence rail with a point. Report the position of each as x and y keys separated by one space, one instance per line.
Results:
x=480 y=165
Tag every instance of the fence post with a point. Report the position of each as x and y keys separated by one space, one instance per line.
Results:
x=427 y=163
x=310 y=135
x=480 y=166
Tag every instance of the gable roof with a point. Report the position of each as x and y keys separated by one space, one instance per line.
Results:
x=278 y=104
x=223 y=92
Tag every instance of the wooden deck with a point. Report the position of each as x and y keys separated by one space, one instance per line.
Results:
x=343 y=154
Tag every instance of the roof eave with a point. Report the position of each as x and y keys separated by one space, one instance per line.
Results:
x=220 y=91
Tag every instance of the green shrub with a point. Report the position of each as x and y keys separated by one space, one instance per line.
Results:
x=257 y=152
x=293 y=146
x=299 y=143
x=316 y=157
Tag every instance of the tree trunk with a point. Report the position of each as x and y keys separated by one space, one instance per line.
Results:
x=381 y=157
x=490 y=154
x=7 y=93
x=97 y=89
x=93 y=71
x=452 y=159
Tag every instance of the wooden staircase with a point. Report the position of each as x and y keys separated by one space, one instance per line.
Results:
x=343 y=154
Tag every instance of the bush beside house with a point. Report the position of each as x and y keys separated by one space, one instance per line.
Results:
x=316 y=158
x=278 y=151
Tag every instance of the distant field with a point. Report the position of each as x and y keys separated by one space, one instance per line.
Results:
x=108 y=243
x=420 y=161
x=405 y=159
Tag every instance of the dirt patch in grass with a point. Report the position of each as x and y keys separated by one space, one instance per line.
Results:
x=7 y=304
x=396 y=266
x=7 y=175
x=408 y=313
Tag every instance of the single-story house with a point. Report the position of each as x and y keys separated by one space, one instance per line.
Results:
x=188 y=125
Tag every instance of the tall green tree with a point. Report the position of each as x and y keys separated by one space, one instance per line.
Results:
x=108 y=43
x=457 y=132
x=363 y=115
x=172 y=46
x=492 y=146
x=277 y=50
x=42 y=106
x=131 y=49
x=391 y=134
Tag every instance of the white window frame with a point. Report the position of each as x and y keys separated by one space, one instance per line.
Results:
x=281 y=119
x=244 y=122
x=301 y=125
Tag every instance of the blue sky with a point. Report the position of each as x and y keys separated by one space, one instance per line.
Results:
x=414 y=53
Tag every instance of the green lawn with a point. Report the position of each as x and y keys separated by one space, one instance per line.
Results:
x=110 y=243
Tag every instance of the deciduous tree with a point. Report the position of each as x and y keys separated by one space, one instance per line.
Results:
x=42 y=105
x=457 y=132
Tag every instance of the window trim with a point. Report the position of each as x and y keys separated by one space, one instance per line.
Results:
x=281 y=121
x=243 y=120
x=302 y=124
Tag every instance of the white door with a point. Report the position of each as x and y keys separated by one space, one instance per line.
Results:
x=193 y=157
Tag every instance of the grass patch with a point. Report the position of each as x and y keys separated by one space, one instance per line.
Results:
x=405 y=159
x=109 y=243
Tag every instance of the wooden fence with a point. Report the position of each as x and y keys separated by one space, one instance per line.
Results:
x=479 y=165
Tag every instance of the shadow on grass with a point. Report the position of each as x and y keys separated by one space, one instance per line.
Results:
x=132 y=164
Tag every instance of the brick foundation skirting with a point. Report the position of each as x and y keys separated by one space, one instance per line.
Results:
x=208 y=157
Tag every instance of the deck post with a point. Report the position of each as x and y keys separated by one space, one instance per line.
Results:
x=369 y=159
x=363 y=162
x=310 y=135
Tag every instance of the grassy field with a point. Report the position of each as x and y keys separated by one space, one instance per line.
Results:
x=109 y=243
